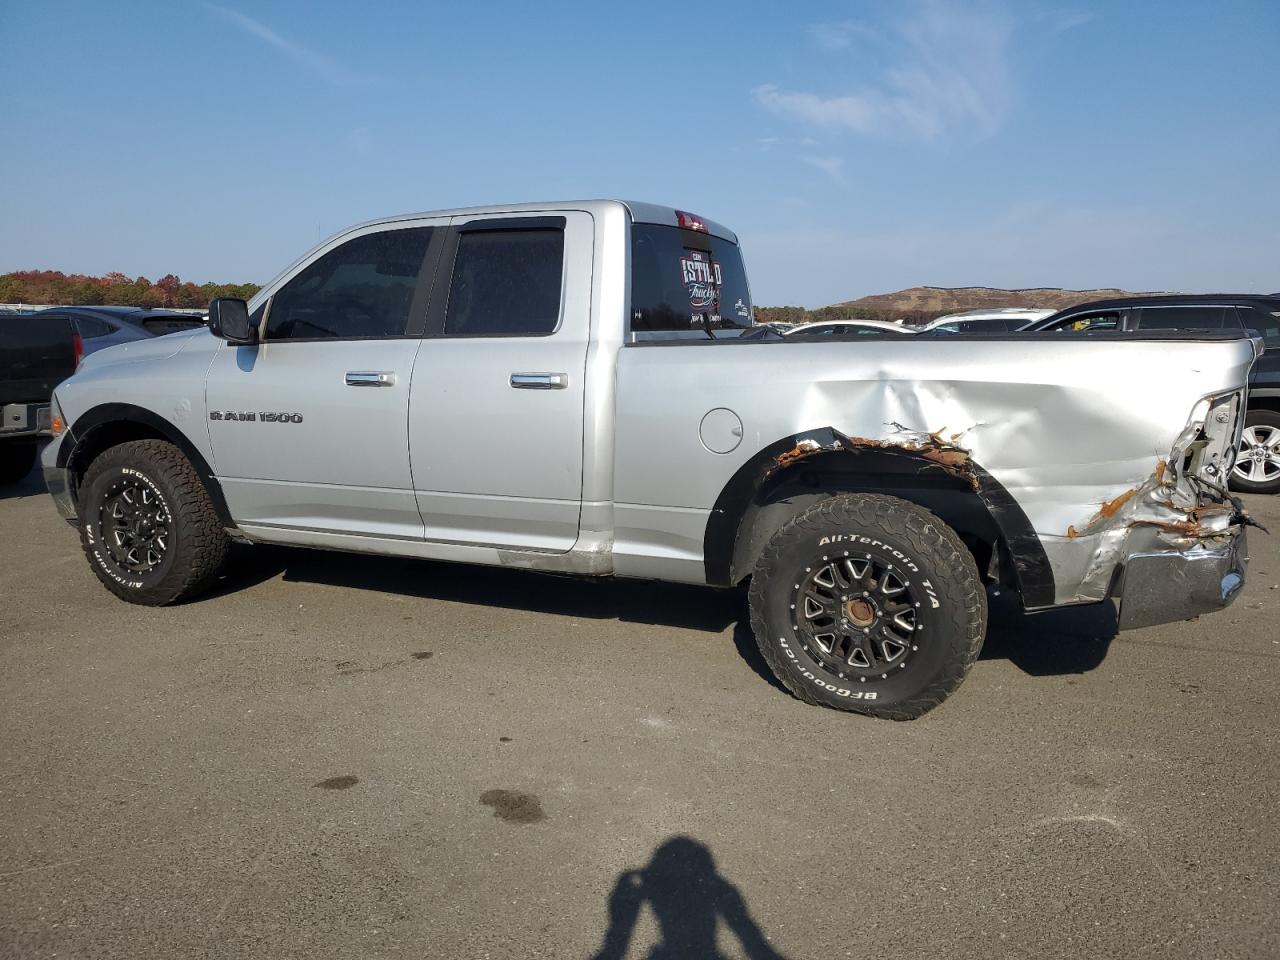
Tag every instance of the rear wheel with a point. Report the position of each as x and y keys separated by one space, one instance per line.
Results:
x=1257 y=467
x=148 y=525
x=17 y=457
x=868 y=603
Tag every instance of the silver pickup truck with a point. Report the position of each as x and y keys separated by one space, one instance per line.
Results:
x=567 y=387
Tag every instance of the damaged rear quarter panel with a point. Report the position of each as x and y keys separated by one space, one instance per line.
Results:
x=1065 y=425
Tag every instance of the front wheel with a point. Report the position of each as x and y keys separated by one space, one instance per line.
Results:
x=868 y=603
x=148 y=525
x=1257 y=467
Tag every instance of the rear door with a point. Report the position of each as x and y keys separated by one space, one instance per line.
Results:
x=496 y=406
x=309 y=427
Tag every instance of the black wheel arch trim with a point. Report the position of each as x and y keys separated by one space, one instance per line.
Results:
x=1031 y=566
x=106 y=414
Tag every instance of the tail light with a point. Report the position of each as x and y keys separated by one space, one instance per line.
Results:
x=688 y=221
x=78 y=345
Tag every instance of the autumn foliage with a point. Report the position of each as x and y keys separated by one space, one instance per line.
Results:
x=64 y=289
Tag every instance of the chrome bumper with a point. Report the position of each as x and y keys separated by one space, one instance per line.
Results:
x=1177 y=585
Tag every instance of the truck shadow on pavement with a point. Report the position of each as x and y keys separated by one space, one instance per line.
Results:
x=29 y=486
x=1066 y=641
x=689 y=900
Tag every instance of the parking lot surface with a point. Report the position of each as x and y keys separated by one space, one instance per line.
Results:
x=339 y=756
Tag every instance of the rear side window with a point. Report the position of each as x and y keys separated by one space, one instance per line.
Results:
x=159 y=326
x=360 y=290
x=1264 y=321
x=506 y=283
x=685 y=283
x=1181 y=318
x=91 y=329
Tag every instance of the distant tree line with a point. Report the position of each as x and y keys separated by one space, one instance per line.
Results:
x=116 y=289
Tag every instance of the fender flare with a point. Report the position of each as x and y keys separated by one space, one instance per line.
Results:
x=105 y=414
x=1030 y=563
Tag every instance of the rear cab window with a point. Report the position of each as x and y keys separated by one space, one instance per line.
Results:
x=686 y=284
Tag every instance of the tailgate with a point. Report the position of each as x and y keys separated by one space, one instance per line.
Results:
x=36 y=354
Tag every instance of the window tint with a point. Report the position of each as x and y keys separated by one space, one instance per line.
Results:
x=1104 y=320
x=1181 y=318
x=159 y=326
x=1264 y=321
x=686 y=283
x=91 y=329
x=506 y=283
x=360 y=289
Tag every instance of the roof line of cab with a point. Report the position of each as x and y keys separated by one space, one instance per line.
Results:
x=640 y=211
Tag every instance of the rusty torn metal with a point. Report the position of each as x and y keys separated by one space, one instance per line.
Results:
x=945 y=454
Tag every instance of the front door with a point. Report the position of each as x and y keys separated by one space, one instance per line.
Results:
x=309 y=427
x=496 y=407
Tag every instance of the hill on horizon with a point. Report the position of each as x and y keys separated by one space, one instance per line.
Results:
x=944 y=300
x=922 y=304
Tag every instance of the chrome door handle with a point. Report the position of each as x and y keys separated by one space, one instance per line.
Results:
x=539 y=381
x=370 y=378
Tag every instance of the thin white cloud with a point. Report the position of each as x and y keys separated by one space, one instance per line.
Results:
x=327 y=68
x=950 y=71
x=833 y=167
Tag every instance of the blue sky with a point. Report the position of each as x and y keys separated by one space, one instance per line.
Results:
x=856 y=148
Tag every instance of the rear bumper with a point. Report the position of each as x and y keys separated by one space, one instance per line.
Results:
x=25 y=420
x=1169 y=586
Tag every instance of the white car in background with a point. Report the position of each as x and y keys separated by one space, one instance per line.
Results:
x=845 y=328
x=1003 y=320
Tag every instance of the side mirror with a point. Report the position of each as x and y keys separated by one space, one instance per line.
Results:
x=229 y=319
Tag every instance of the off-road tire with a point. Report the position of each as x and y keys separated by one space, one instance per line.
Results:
x=197 y=541
x=1257 y=418
x=944 y=590
x=17 y=457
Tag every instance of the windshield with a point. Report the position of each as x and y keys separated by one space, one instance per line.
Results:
x=685 y=283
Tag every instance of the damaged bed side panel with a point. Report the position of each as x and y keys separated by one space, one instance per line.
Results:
x=1069 y=431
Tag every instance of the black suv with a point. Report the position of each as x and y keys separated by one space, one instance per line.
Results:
x=1257 y=468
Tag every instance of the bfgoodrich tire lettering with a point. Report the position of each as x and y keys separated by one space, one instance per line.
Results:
x=868 y=603
x=147 y=524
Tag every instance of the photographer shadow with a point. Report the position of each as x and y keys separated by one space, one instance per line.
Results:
x=689 y=899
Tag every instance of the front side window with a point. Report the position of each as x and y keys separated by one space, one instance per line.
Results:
x=360 y=290
x=686 y=283
x=1181 y=318
x=1103 y=320
x=506 y=283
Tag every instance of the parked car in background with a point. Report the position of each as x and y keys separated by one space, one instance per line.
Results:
x=1002 y=320
x=848 y=328
x=102 y=327
x=36 y=354
x=1257 y=465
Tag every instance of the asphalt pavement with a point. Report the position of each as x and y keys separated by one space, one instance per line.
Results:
x=354 y=757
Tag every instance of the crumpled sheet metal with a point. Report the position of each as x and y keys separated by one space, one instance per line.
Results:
x=1166 y=512
x=1169 y=511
